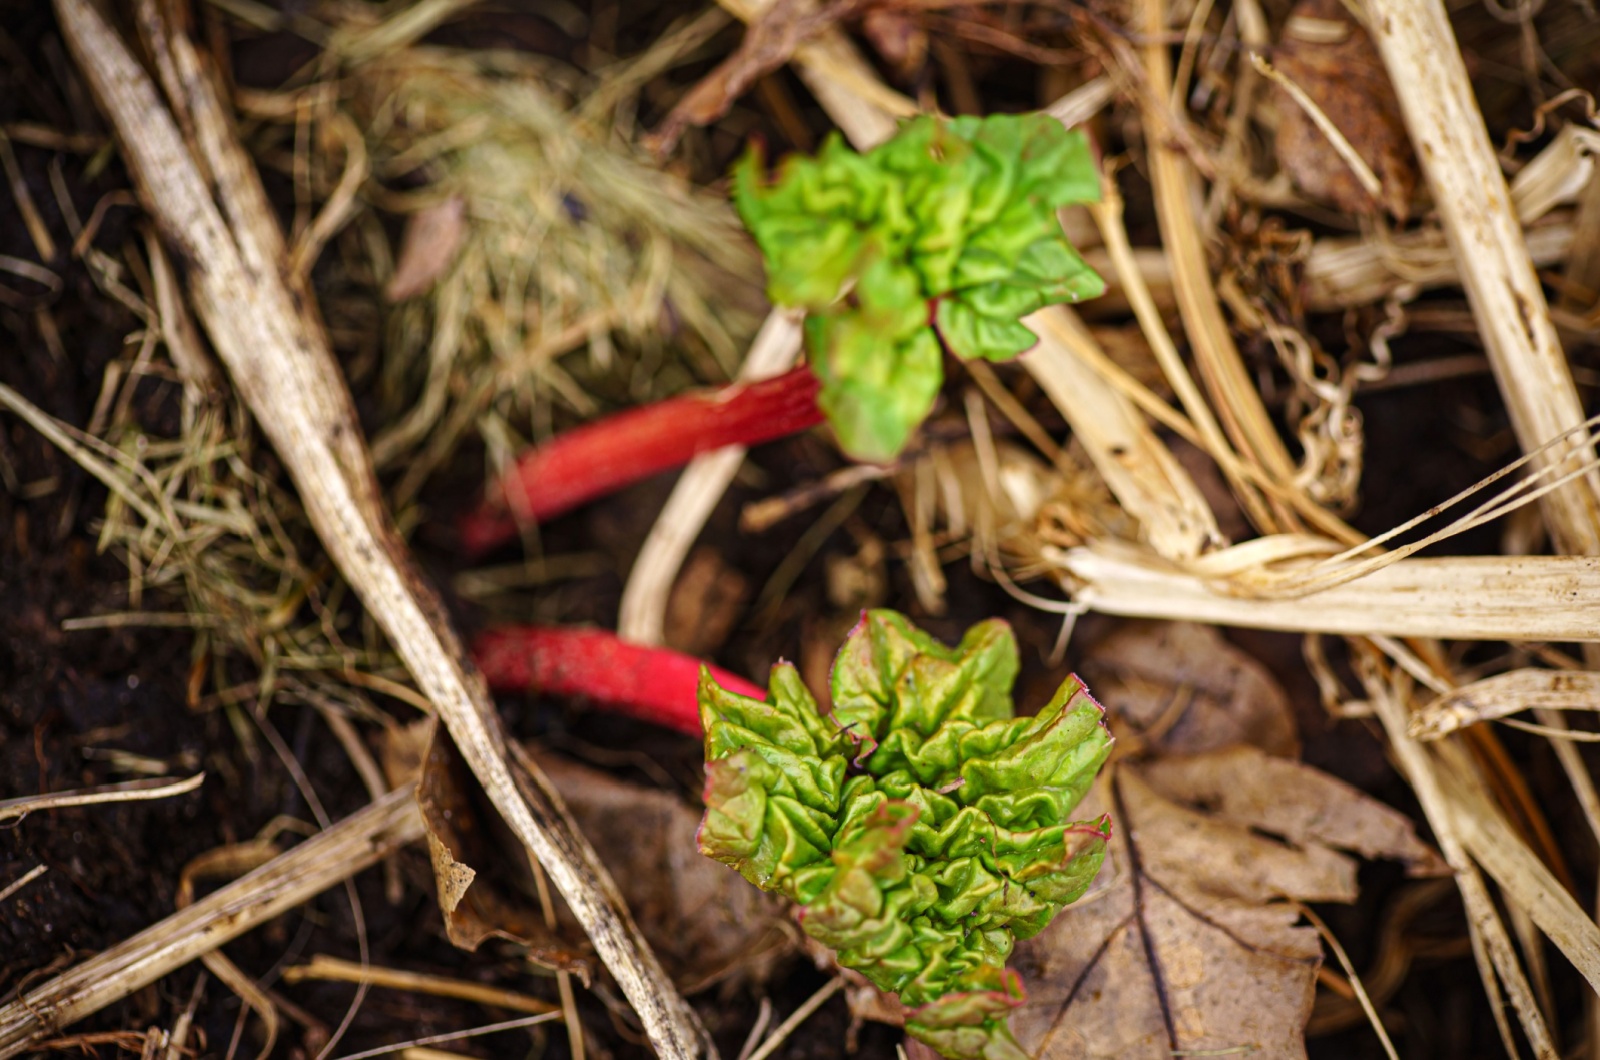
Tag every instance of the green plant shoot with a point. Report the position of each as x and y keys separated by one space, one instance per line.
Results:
x=921 y=827
x=945 y=236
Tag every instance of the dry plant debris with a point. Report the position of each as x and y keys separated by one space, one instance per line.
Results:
x=552 y=267
x=1191 y=941
x=1328 y=55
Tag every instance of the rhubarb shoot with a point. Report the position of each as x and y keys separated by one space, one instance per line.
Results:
x=920 y=827
x=602 y=457
x=943 y=238
x=652 y=684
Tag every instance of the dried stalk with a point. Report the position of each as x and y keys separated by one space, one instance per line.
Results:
x=1142 y=473
x=1526 y=881
x=128 y=791
x=350 y=846
x=1463 y=598
x=1481 y=226
x=1490 y=943
x=1239 y=407
x=264 y=325
x=1107 y=216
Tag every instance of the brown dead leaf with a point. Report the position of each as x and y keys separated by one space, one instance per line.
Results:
x=705 y=603
x=1290 y=799
x=1329 y=56
x=1182 y=689
x=1189 y=942
x=701 y=918
x=432 y=239
x=483 y=893
x=898 y=38
x=768 y=43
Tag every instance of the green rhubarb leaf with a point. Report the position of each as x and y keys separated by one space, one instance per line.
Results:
x=921 y=826
x=947 y=232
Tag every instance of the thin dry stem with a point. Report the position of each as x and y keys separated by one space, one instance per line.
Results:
x=334 y=969
x=129 y=791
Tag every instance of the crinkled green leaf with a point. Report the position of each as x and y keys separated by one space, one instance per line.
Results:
x=959 y=215
x=922 y=826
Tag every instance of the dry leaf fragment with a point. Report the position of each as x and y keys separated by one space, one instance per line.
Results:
x=1291 y=799
x=1333 y=60
x=472 y=866
x=898 y=38
x=1148 y=969
x=1185 y=689
x=704 y=922
x=1191 y=946
x=432 y=239
x=768 y=43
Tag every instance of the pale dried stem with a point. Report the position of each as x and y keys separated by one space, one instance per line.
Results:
x=130 y=791
x=287 y=881
x=1463 y=598
x=263 y=323
x=1490 y=940
x=1481 y=225
x=1418 y=47
x=1522 y=877
x=22 y=881
x=334 y=969
x=1141 y=472
x=1175 y=184
x=1107 y=215
x=799 y=1016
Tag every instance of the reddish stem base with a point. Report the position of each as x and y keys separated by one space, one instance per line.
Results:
x=602 y=457
x=653 y=684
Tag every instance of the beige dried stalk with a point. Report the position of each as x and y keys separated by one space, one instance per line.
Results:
x=1483 y=230
x=1475 y=208
x=263 y=322
x=1175 y=183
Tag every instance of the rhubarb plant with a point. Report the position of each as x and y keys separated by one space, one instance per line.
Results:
x=920 y=827
x=944 y=237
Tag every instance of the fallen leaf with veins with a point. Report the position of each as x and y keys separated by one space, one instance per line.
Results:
x=1191 y=943
x=1290 y=799
x=1181 y=688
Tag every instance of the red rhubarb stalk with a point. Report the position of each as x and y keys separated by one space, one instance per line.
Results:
x=652 y=684
x=608 y=454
